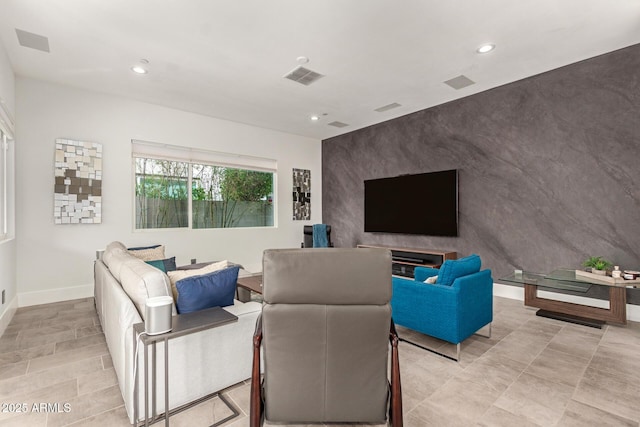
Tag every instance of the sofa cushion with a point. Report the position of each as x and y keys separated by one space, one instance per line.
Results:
x=164 y=265
x=452 y=269
x=177 y=275
x=148 y=254
x=215 y=289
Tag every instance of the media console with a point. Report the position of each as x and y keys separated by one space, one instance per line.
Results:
x=404 y=260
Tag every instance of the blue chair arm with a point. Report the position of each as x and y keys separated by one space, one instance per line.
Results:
x=426 y=308
x=475 y=303
x=421 y=273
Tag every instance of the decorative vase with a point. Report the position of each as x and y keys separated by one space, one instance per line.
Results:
x=616 y=273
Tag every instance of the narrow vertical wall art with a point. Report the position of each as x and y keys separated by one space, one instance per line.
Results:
x=301 y=194
x=78 y=182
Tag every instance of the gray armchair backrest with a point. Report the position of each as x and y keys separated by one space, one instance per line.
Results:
x=325 y=323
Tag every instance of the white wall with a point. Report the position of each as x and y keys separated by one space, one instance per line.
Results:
x=55 y=262
x=7 y=247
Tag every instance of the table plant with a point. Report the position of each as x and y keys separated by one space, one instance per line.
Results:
x=598 y=265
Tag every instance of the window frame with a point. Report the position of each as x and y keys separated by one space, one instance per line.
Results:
x=7 y=180
x=166 y=152
x=4 y=151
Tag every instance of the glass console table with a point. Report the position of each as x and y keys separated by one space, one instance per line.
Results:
x=568 y=280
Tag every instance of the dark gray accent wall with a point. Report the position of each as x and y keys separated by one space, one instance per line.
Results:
x=549 y=169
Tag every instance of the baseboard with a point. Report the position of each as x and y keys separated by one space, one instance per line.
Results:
x=517 y=293
x=633 y=313
x=7 y=314
x=26 y=299
x=507 y=291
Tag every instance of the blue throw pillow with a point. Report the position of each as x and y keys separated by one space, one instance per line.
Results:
x=215 y=289
x=452 y=269
x=165 y=265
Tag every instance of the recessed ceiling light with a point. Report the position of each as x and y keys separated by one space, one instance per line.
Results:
x=140 y=67
x=314 y=118
x=302 y=60
x=486 y=48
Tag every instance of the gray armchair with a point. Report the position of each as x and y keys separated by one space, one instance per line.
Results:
x=325 y=335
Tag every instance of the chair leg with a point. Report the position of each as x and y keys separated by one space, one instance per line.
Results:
x=457 y=358
x=395 y=410
x=256 y=406
x=486 y=336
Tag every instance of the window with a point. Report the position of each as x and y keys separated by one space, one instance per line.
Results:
x=226 y=197
x=161 y=194
x=177 y=187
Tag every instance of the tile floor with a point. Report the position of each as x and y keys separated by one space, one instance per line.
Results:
x=532 y=372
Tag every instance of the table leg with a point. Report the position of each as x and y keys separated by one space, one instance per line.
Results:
x=154 y=411
x=146 y=387
x=135 y=381
x=243 y=295
x=166 y=382
x=618 y=304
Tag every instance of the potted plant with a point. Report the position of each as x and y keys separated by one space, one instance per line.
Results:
x=597 y=265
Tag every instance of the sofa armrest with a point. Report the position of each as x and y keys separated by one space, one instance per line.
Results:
x=239 y=308
x=421 y=273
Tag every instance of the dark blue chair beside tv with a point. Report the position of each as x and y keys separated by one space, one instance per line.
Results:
x=458 y=305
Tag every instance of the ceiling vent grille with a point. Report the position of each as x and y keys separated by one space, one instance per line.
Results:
x=459 y=82
x=387 y=107
x=32 y=40
x=338 y=124
x=303 y=75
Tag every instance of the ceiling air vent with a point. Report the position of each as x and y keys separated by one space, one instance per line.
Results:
x=387 y=107
x=34 y=41
x=338 y=124
x=303 y=75
x=460 y=82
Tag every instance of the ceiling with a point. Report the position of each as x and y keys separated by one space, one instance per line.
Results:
x=227 y=58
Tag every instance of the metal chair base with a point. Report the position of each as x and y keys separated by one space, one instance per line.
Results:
x=455 y=359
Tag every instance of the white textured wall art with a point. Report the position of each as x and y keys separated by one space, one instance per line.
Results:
x=78 y=182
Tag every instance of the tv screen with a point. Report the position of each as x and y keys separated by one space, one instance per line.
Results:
x=425 y=203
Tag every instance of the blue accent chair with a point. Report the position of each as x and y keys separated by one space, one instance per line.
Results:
x=454 y=308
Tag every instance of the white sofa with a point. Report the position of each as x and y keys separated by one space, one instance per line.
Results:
x=199 y=364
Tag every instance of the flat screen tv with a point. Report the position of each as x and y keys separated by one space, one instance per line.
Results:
x=425 y=203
